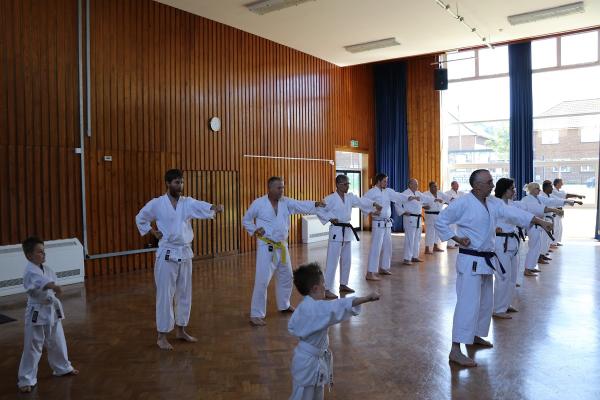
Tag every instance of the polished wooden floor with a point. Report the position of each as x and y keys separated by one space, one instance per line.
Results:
x=396 y=349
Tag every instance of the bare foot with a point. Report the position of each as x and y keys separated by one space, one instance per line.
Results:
x=435 y=248
x=406 y=262
x=255 y=321
x=346 y=289
x=502 y=315
x=288 y=310
x=427 y=251
x=460 y=359
x=530 y=272
x=482 y=342
x=183 y=335
x=25 y=389
x=512 y=309
x=416 y=259
x=73 y=372
x=372 y=277
x=384 y=272
x=536 y=270
x=329 y=295
x=163 y=343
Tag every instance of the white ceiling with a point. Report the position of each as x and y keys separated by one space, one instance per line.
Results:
x=323 y=27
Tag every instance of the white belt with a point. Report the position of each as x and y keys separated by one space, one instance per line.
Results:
x=323 y=355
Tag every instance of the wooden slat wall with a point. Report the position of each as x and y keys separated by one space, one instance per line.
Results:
x=424 y=140
x=40 y=191
x=158 y=75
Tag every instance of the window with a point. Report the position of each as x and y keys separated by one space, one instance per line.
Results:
x=579 y=48
x=493 y=61
x=590 y=134
x=562 y=169
x=550 y=137
x=587 y=168
x=464 y=68
x=543 y=53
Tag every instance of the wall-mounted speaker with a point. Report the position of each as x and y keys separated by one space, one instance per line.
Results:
x=440 y=78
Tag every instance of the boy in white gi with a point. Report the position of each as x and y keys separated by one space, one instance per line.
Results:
x=412 y=222
x=173 y=269
x=312 y=365
x=476 y=216
x=341 y=233
x=43 y=317
x=268 y=219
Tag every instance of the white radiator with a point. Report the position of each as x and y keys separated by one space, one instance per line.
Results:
x=313 y=230
x=64 y=256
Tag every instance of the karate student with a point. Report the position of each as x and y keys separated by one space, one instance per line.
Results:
x=268 y=219
x=433 y=203
x=558 y=193
x=452 y=195
x=412 y=222
x=534 y=233
x=508 y=238
x=380 y=254
x=341 y=233
x=43 y=317
x=173 y=267
x=476 y=216
x=312 y=364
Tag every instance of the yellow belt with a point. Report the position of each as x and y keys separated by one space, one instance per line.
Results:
x=276 y=245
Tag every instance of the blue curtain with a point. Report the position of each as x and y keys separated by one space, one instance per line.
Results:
x=521 y=115
x=391 y=143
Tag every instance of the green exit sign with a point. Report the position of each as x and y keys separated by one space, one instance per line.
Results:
x=354 y=143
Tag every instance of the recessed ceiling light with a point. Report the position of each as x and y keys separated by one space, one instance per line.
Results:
x=266 y=6
x=554 y=12
x=376 y=44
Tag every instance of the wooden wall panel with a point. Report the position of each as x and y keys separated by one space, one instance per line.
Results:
x=157 y=75
x=39 y=131
x=424 y=140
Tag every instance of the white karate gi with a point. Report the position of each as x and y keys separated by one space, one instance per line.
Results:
x=558 y=220
x=340 y=238
x=173 y=267
x=413 y=224
x=507 y=250
x=453 y=195
x=431 y=214
x=312 y=364
x=43 y=326
x=474 y=282
x=537 y=236
x=273 y=257
x=380 y=254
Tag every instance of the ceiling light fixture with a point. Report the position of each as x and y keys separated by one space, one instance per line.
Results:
x=376 y=44
x=553 y=12
x=263 y=7
x=461 y=19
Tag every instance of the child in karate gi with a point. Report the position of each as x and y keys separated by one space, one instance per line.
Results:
x=43 y=317
x=312 y=366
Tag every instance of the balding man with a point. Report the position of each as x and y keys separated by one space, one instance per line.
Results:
x=268 y=219
x=476 y=216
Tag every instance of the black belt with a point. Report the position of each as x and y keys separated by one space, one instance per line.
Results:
x=506 y=236
x=547 y=232
x=385 y=221
x=432 y=212
x=345 y=225
x=487 y=255
x=418 y=218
